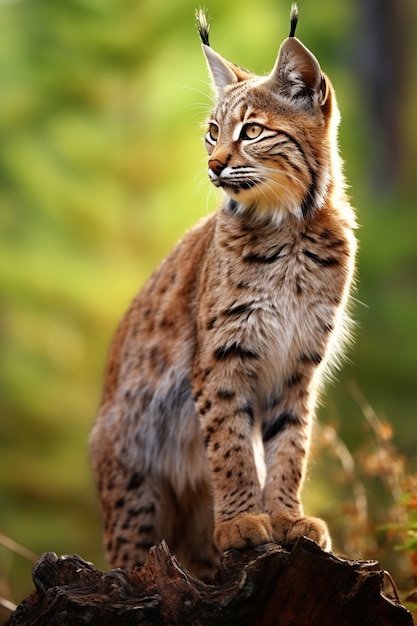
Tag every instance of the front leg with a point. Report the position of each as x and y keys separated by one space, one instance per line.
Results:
x=222 y=389
x=286 y=439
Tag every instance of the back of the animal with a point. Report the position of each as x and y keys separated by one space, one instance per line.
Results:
x=204 y=428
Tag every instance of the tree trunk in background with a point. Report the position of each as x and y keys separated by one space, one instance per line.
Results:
x=266 y=586
x=384 y=57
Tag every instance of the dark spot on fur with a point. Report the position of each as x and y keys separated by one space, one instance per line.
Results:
x=120 y=540
x=305 y=236
x=225 y=394
x=166 y=323
x=312 y=357
x=336 y=243
x=232 y=206
x=251 y=415
x=287 y=504
x=309 y=201
x=294 y=379
x=206 y=407
x=146 y=528
x=234 y=350
x=322 y=261
x=205 y=374
x=272 y=428
x=248 y=409
x=144 y=545
x=211 y=323
x=135 y=481
x=238 y=309
x=272 y=402
x=147 y=509
x=146 y=396
x=263 y=259
x=156 y=361
x=198 y=395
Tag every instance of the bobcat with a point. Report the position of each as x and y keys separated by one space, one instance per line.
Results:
x=213 y=375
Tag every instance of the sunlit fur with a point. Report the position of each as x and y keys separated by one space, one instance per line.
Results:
x=203 y=432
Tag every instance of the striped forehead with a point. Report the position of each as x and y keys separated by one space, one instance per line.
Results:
x=234 y=108
x=234 y=99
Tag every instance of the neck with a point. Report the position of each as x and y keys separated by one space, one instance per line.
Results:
x=262 y=215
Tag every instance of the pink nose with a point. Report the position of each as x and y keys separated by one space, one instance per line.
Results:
x=216 y=166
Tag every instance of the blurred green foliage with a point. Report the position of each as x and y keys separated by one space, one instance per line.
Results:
x=101 y=170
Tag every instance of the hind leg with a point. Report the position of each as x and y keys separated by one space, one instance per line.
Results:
x=193 y=536
x=136 y=512
x=139 y=511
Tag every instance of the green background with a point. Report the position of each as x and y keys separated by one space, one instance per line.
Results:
x=102 y=169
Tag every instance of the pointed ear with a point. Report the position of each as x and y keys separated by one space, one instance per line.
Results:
x=222 y=72
x=297 y=74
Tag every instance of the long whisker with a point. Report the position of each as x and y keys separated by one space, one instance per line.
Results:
x=292 y=177
x=209 y=97
x=270 y=188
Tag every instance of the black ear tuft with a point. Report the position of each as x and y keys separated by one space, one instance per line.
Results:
x=203 y=25
x=293 y=19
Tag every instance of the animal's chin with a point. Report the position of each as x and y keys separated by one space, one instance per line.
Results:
x=232 y=188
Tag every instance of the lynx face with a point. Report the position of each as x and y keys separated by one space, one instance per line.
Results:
x=258 y=157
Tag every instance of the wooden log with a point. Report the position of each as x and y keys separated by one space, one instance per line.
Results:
x=265 y=586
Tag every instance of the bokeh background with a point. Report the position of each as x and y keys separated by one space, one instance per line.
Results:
x=102 y=169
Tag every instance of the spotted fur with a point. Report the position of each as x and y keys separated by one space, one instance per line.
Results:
x=212 y=379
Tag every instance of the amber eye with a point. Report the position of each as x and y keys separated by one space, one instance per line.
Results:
x=213 y=131
x=251 y=131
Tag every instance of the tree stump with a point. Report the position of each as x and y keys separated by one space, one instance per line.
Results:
x=265 y=586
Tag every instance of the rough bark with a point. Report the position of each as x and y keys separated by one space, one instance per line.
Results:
x=267 y=586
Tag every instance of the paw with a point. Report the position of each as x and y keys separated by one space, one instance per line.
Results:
x=243 y=531
x=286 y=530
